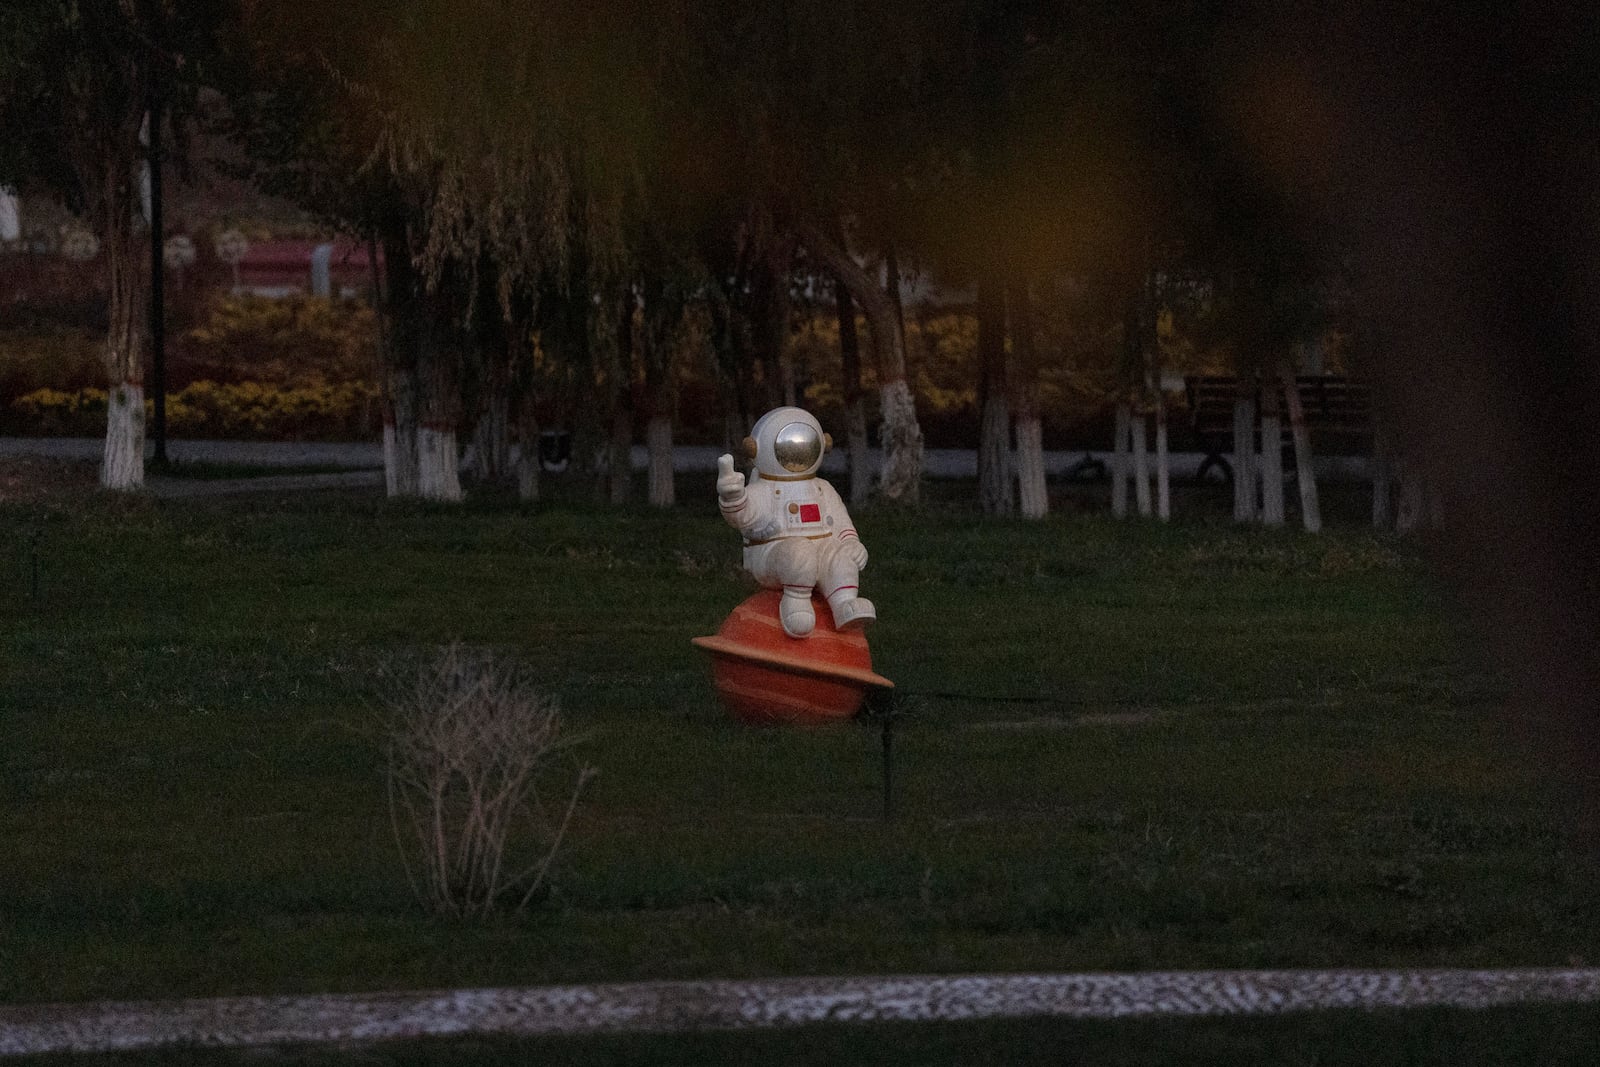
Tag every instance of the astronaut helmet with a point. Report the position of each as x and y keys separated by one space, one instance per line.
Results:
x=787 y=444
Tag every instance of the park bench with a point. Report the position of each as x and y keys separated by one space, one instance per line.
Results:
x=1336 y=408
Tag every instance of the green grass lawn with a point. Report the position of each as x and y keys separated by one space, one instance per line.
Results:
x=1216 y=748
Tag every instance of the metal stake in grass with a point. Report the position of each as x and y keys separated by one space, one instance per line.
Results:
x=33 y=565
x=883 y=707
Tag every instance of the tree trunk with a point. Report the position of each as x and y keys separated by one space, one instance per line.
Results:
x=1244 y=452
x=123 y=464
x=1305 y=474
x=489 y=440
x=902 y=444
x=399 y=311
x=1141 y=464
x=994 y=434
x=658 y=435
x=855 y=408
x=619 y=463
x=901 y=436
x=1382 y=480
x=1163 y=460
x=527 y=451
x=771 y=304
x=1411 y=511
x=663 y=317
x=1033 y=498
x=1119 y=460
x=1271 y=458
x=400 y=473
x=438 y=403
x=491 y=436
x=438 y=462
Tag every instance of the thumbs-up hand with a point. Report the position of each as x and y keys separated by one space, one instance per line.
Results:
x=730 y=483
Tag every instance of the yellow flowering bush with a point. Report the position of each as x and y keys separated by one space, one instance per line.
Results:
x=294 y=340
x=207 y=409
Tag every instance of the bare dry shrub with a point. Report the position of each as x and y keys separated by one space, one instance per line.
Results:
x=474 y=754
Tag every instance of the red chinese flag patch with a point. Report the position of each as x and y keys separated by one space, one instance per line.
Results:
x=810 y=513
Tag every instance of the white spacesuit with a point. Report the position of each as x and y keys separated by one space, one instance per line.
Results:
x=797 y=534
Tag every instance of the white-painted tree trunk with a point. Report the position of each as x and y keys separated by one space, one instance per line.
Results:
x=401 y=474
x=902 y=444
x=1141 y=465
x=1271 y=463
x=1119 y=461
x=1032 y=490
x=1163 y=464
x=1033 y=495
x=1305 y=473
x=491 y=438
x=438 y=463
x=1411 y=510
x=1244 y=467
x=901 y=436
x=658 y=439
x=994 y=417
x=123 y=465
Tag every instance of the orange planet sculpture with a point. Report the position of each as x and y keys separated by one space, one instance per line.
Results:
x=766 y=677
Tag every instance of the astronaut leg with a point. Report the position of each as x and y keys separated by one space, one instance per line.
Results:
x=840 y=583
x=793 y=562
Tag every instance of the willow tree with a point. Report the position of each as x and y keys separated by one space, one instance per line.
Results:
x=77 y=82
x=808 y=117
x=306 y=105
x=900 y=435
x=474 y=143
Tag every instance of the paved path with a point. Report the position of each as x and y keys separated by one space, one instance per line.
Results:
x=939 y=462
x=666 y=1007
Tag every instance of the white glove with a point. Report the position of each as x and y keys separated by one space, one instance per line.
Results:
x=730 y=483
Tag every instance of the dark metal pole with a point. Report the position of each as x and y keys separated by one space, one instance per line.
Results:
x=158 y=332
x=888 y=766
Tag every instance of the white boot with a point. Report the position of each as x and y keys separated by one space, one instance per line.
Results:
x=796 y=613
x=851 y=612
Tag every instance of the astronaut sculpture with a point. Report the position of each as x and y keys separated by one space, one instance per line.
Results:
x=797 y=535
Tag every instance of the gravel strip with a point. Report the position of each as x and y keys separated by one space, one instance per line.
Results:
x=663 y=1007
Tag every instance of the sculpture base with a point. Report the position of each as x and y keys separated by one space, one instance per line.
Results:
x=766 y=677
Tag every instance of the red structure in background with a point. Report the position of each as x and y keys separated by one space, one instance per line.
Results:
x=269 y=268
x=273 y=268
